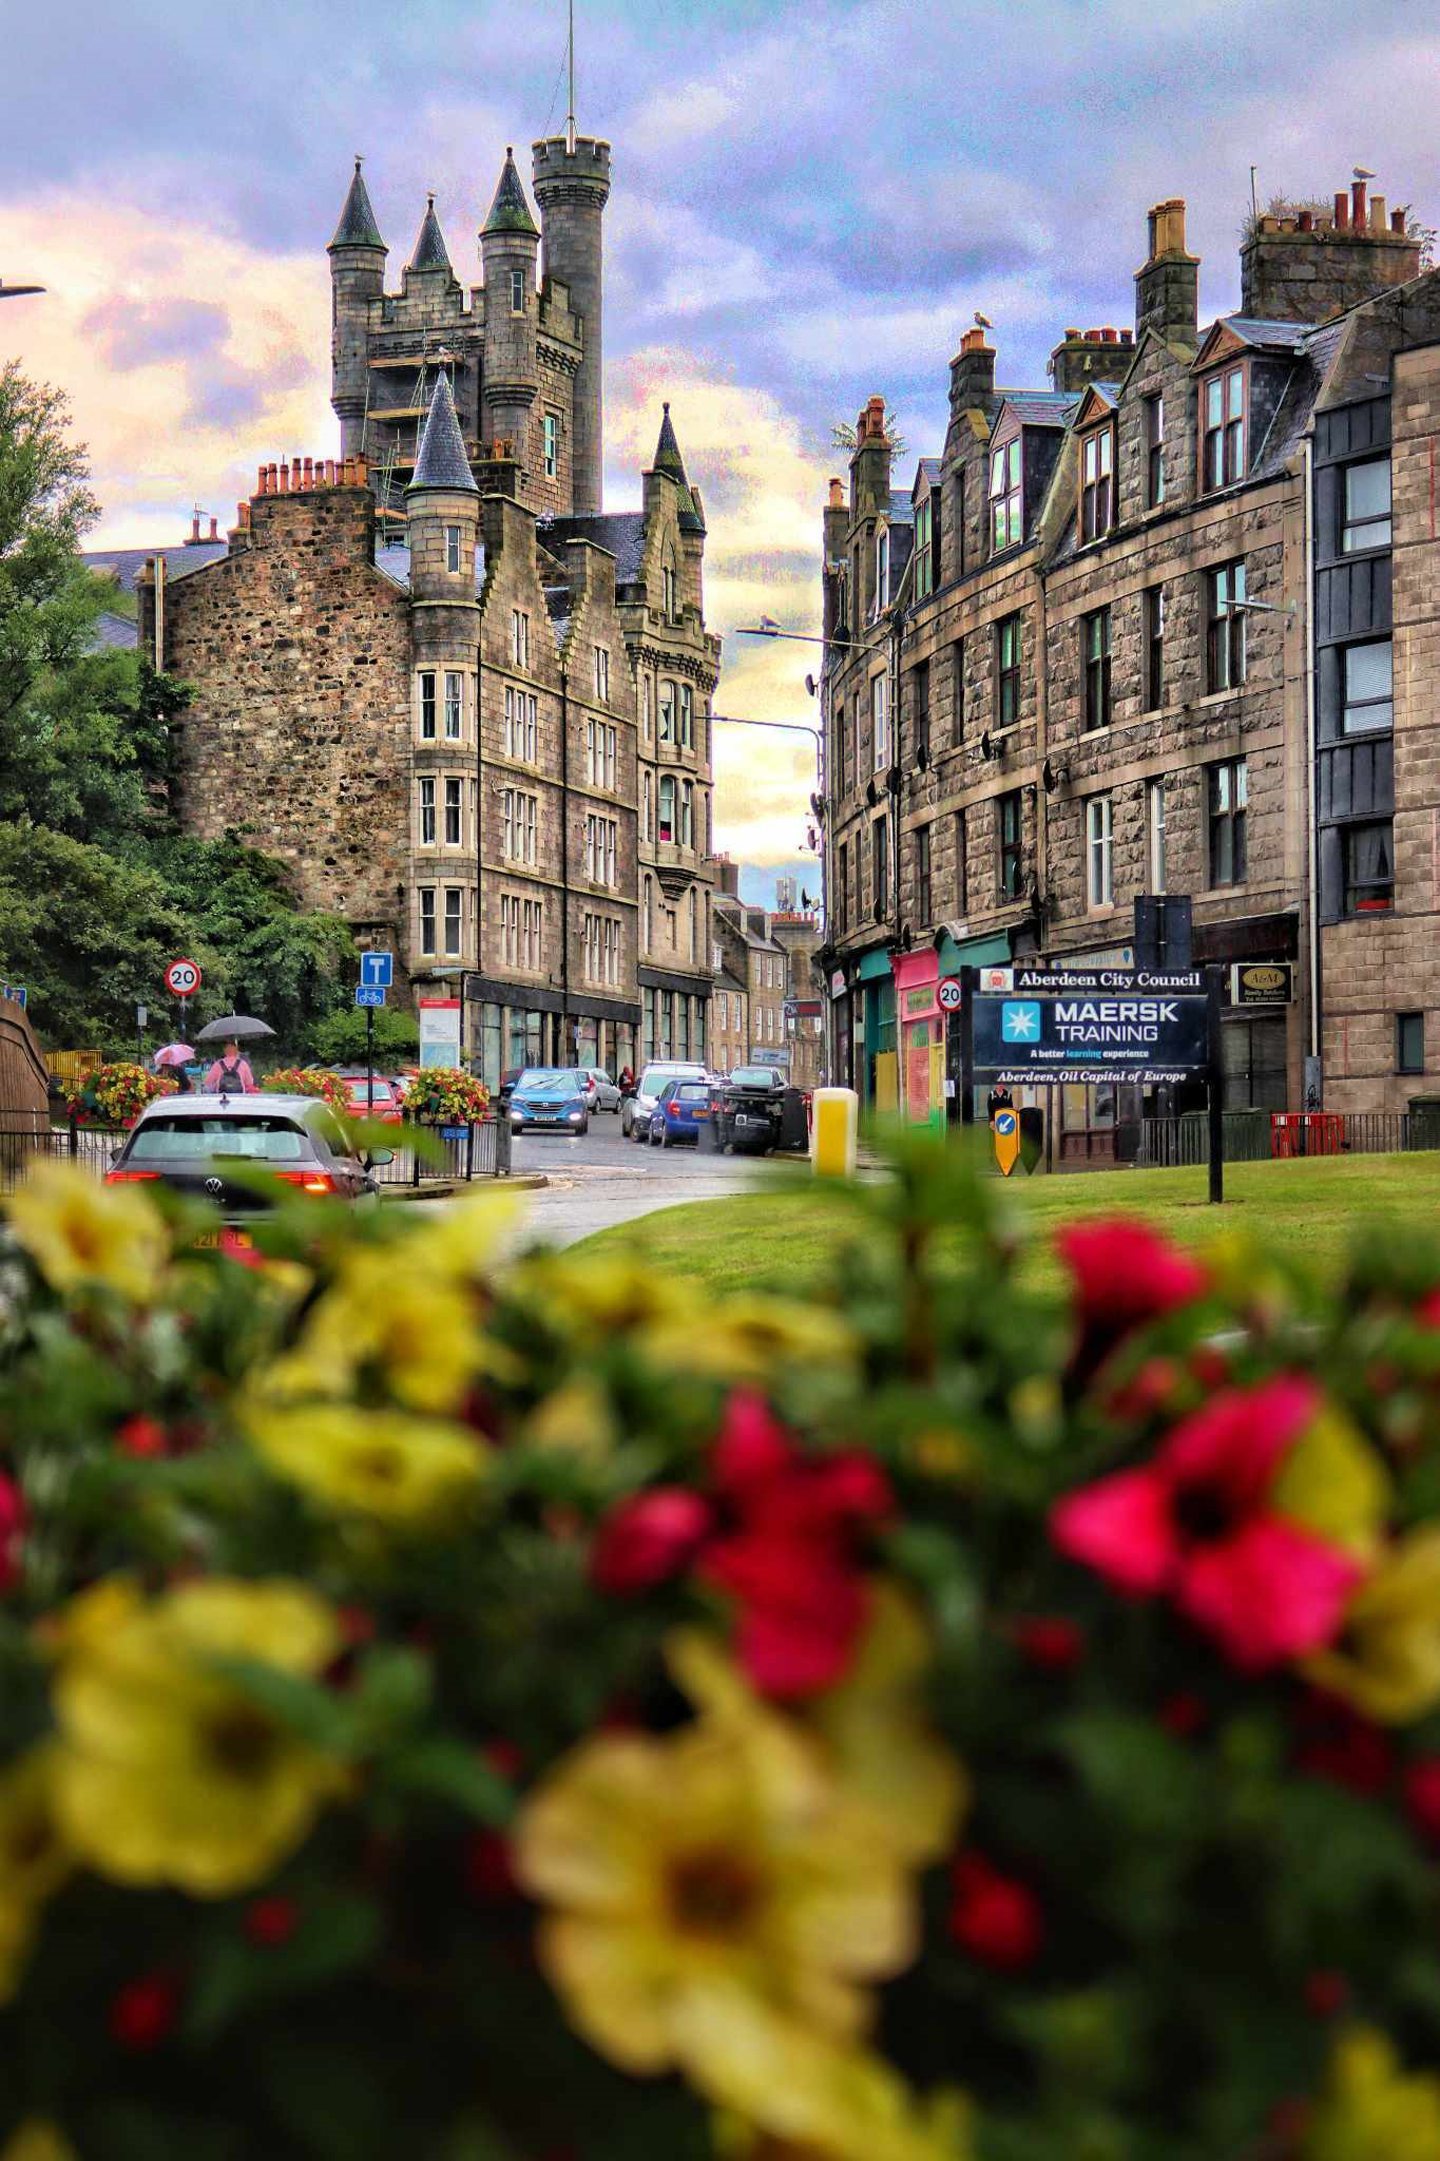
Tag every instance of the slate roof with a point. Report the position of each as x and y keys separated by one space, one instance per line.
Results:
x=622 y=532
x=1277 y=337
x=900 y=510
x=114 y=633
x=1040 y=408
x=431 y=252
x=510 y=211
x=1292 y=415
x=928 y=469
x=125 y=564
x=441 y=462
x=357 y=227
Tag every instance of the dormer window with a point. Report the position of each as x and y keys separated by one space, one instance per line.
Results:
x=1222 y=403
x=1005 y=528
x=925 y=548
x=882 y=569
x=1097 y=491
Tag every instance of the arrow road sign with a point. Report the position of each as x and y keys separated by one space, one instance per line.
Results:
x=370 y=993
x=377 y=970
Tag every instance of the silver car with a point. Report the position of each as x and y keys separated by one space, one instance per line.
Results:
x=635 y=1112
x=602 y=1092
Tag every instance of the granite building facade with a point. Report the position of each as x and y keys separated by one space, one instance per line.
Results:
x=468 y=707
x=1161 y=627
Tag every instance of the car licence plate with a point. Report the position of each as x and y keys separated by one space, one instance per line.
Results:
x=226 y=1241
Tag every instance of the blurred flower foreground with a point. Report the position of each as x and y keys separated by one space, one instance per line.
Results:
x=542 y=1711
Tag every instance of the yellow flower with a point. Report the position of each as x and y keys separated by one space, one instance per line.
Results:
x=385 y=1464
x=745 y=1338
x=579 y=1298
x=166 y=1771
x=721 y=1856
x=383 y=1322
x=462 y=1241
x=1372 y=2110
x=38 y=2141
x=878 y=1744
x=575 y=1419
x=81 y=1232
x=1387 y=1662
x=1336 y=1485
x=33 y=1858
x=794 y=2095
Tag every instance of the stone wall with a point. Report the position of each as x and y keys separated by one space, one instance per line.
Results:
x=298 y=736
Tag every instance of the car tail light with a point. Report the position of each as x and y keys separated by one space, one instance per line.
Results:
x=308 y=1181
x=128 y=1178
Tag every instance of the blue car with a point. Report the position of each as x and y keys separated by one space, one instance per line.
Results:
x=549 y=1099
x=681 y=1109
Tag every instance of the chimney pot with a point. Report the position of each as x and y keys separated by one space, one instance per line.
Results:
x=215 y=528
x=284 y=476
x=1397 y=221
x=361 y=470
x=1306 y=221
x=1127 y=337
x=1071 y=337
x=1357 y=205
x=837 y=494
x=194 y=526
x=1378 y=219
x=1109 y=335
x=1342 y=211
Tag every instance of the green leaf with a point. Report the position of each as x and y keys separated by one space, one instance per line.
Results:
x=337 y=1932
x=308 y=1708
x=449 y=1771
x=1151 y=1784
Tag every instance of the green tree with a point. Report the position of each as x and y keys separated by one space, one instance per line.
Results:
x=97 y=887
x=339 y=1039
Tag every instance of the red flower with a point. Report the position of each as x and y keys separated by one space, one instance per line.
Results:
x=648 y=1539
x=994 y=1917
x=141 y=1436
x=1052 y=1643
x=489 y=1869
x=1124 y=1276
x=1146 y=1394
x=1195 y=1525
x=1183 y=1714
x=1422 y=1798
x=1334 y=1742
x=271 y=1922
x=1326 y=1993
x=789 y=1554
x=13 y=1520
x=142 y=2014
x=1427 y=1313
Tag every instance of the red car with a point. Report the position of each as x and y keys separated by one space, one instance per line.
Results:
x=387 y=1111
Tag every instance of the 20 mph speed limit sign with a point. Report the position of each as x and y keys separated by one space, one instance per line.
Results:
x=949 y=994
x=183 y=978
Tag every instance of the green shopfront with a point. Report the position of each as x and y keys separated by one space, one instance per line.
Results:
x=876 y=1074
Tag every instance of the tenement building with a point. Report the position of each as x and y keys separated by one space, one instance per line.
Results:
x=466 y=706
x=1168 y=626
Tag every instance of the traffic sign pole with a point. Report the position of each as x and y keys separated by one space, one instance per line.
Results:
x=370 y=1061
x=967 y=1046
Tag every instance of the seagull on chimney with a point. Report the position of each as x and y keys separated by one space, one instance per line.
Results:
x=983 y=322
x=1361 y=172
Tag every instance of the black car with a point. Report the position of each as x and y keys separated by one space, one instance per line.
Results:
x=203 y=1147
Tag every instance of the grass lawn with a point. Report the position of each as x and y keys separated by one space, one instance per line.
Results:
x=781 y=1238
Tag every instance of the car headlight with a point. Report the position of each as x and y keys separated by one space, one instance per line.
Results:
x=575 y=1117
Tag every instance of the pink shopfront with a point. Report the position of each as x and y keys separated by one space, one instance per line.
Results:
x=921 y=1030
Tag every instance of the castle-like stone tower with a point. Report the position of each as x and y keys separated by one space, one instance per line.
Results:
x=357 y=283
x=572 y=187
x=509 y=250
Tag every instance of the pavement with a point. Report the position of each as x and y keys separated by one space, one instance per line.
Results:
x=603 y=1179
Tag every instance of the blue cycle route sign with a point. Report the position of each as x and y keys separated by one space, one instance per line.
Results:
x=1109 y=1025
x=369 y=994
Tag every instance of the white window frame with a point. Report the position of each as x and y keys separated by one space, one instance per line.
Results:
x=533 y=932
x=454 y=923
x=1100 y=852
x=668 y=782
x=882 y=570
x=880 y=721
x=522 y=724
x=666 y=720
x=685 y=719
x=550 y=442
x=452 y=548
x=427 y=825
x=519 y=825
x=602 y=675
x=454 y=810
x=454 y=705
x=1155 y=828
x=426 y=898
x=1007 y=502
x=520 y=638
x=517 y=292
x=428 y=720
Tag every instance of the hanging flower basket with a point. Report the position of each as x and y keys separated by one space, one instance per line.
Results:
x=114 y=1095
x=446 y=1096
x=308 y=1081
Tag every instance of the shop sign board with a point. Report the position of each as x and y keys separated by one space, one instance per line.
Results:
x=1270 y=982
x=1108 y=1025
x=439 y=1031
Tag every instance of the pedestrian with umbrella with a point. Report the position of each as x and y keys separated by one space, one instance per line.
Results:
x=173 y=1059
x=231 y=1074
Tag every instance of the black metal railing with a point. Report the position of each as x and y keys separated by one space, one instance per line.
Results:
x=449 y=1155
x=1263 y=1136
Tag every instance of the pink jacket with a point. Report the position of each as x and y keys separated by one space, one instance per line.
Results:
x=236 y=1080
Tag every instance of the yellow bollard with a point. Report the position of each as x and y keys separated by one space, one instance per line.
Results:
x=835 y=1125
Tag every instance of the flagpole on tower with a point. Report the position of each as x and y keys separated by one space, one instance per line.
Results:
x=570 y=116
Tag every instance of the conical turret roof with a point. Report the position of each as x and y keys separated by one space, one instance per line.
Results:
x=431 y=252
x=442 y=462
x=667 y=451
x=357 y=227
x=510 y=211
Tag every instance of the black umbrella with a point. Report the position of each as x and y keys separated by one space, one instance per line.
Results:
x=234 y=1028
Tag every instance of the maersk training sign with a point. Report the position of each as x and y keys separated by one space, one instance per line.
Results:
x=1115 y=1025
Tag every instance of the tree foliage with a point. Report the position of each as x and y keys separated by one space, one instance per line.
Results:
x=98 y=889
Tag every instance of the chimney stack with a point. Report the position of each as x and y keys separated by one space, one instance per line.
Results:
x=972 y=373
x=1302 y=267
x=1167 y=285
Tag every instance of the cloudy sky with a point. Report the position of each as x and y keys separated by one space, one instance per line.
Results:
x=810 y=203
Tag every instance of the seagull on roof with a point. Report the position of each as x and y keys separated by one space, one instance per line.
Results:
x=983 y=321
x=1361 y=172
